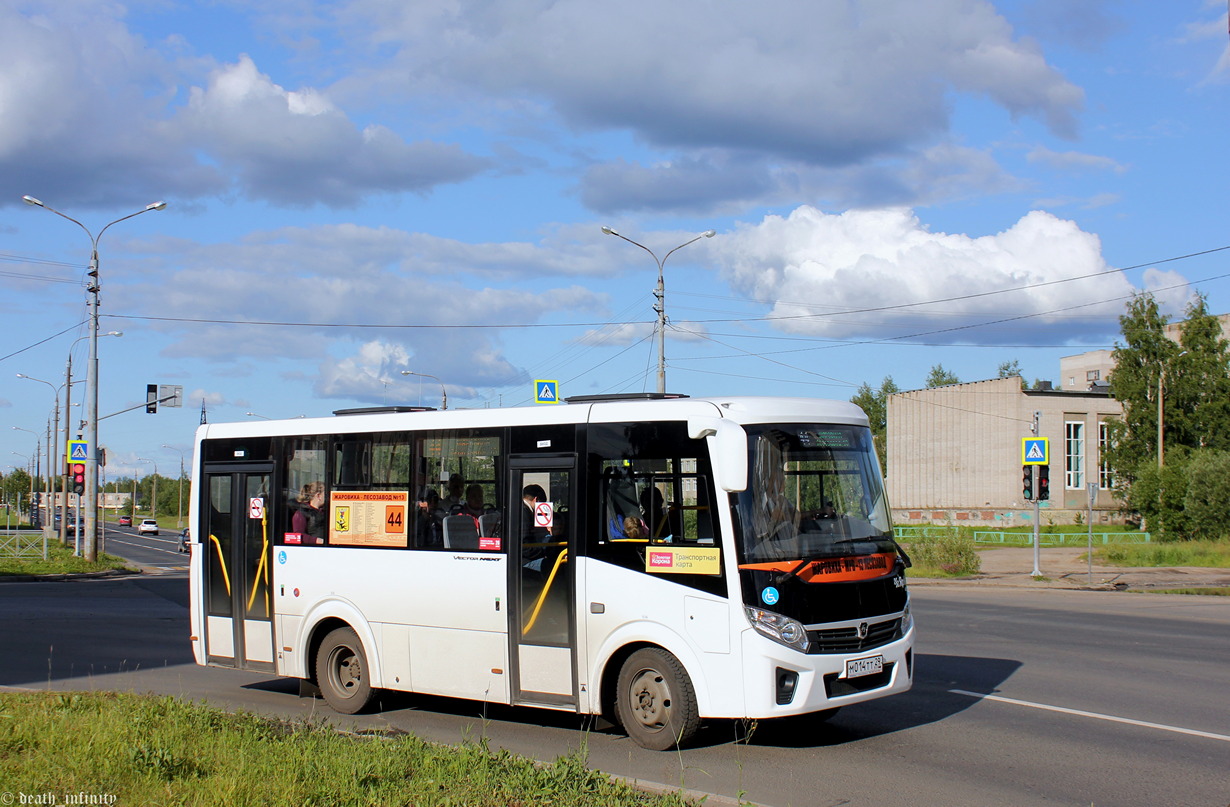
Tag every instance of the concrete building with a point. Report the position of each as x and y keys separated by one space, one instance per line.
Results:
x=954 y=453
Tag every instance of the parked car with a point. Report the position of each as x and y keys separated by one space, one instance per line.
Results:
x=125 y=521
x=147 y=525
x=183 y=540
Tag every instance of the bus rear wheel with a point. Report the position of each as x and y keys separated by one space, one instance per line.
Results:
x=655 y=700
x=342 y=673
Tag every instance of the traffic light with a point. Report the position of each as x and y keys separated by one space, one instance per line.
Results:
x=1044 y=482
x=151 y=398
x=1027 y=482
x=78 y=474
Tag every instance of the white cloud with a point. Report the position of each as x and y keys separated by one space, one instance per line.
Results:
x=714 y=181
x=874 y=274
x=93 y=114
x=296 y=148
x=351 y=285
x=1073 y=160
x=823 y=83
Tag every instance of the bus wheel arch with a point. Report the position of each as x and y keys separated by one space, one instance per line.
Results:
x=342 y=669
x=653 y=697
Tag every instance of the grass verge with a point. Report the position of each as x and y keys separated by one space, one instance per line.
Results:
x=1211 y=591
x=161 y=750
x=1206 y=554
x=60 y=560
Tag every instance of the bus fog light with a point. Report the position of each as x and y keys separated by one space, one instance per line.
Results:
x=787 y=685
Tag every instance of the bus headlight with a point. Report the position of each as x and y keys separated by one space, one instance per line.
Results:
x=907 y=620
x=781 y=629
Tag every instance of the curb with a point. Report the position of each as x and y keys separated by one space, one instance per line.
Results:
x=60 y=578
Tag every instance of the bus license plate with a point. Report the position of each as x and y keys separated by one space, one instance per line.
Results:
x=857 y=667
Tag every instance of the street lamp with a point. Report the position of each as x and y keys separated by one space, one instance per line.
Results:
x=49 y=523
x=443 y=391
x=68 y=404
x=660 y=294
x=37 y=448
x=153 y=496
x=30 y=473
x=179 y=513
x=91 y=380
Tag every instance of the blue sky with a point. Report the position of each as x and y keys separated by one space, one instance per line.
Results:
x=361 y=187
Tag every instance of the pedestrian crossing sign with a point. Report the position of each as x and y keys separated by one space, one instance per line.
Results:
x=1035 y=451
x=546 y=391
x=78 y=450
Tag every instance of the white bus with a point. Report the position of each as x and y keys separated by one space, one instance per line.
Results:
x=657 y=560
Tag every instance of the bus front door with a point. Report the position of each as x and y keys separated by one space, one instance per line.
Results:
x=237 y=550
x=541 y=619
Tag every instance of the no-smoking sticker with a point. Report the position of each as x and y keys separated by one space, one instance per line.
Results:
x=256 y=508
x=544 y=514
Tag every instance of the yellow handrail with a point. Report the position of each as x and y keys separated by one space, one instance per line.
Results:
x=542 y=597
x=226 y=578
x=262 y=566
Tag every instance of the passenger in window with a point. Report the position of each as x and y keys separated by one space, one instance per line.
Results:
x=428 y=530
x=634 y=528
x=473 y=505
x=310 y=517
x=663 y=522
x=532 y=556
x=455 y=498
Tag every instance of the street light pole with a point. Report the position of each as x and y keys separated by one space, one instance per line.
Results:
x=179 y=513
x=153 y=496
x=91 y=380
x=660 y=295
x=443 y=391
x=49 y=523
x=68 y=396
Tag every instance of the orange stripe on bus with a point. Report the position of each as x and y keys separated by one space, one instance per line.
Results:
x=833 y=570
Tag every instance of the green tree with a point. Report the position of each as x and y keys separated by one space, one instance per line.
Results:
x=1008 y=369
x=1183 y=390
x=939 y=377
x=1207 y=499
x=875 y=404
x=15 y=484
x=1140 y=360
x=1197 y=390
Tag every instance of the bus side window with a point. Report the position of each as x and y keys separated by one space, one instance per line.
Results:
x=650 y=486
x=306 y=474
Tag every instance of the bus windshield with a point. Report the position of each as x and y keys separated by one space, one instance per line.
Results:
x=814 y=490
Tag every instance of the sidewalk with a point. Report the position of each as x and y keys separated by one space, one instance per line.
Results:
x=1066 y=567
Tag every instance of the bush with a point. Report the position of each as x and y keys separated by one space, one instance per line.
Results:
x=948 y=552
x=1208 y=494
x=1187 y=499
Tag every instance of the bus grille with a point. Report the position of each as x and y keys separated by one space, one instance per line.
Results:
x=845 y=640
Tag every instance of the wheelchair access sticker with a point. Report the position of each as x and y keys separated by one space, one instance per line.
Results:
x=770 y=596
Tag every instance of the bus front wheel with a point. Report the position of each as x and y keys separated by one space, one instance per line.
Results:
x=342 y=673
x=655 y=700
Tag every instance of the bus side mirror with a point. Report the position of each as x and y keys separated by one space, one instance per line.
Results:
x=728 y=449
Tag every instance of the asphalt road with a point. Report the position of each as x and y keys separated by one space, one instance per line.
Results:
x=1095 y=698
x=157 y=552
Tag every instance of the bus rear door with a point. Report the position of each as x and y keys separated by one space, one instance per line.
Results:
x=237 y=548
x=542 y=532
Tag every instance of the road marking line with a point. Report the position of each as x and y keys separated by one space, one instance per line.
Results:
x=1063 y=710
